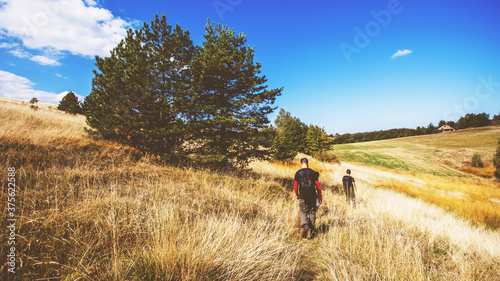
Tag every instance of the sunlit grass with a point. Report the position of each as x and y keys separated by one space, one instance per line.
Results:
x=89 y=210
x=476 y=200
x=437 y=154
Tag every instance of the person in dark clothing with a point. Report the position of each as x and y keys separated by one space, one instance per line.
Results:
x=349 y=188
x=308 y=191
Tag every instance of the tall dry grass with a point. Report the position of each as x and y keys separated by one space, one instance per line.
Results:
x=21 y=124
x=391 y=236
x=474 y=199
x=88 y=210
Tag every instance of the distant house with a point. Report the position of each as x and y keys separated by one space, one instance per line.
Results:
x=445 y=129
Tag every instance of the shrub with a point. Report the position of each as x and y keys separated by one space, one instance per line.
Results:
x=496 y=161
x=33 y=101
x=476 y=161
x=326 y=156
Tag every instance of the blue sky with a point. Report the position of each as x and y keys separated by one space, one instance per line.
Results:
x=348 y=66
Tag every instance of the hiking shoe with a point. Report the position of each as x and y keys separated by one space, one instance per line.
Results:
x=305 y=230
x=314 y=233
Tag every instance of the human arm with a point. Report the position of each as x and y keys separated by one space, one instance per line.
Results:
x=295 y=185
x=320 y=195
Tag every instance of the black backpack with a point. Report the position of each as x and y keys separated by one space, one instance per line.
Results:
x=307 y=186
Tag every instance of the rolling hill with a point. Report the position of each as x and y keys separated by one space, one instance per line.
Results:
x=438 y=154
x=92 y=210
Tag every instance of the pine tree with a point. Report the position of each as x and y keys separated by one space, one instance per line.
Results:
x=232 y=101
x=291 y=136
x=316 y=140
x=70 y=104
x=140 y=93
x=282 y=149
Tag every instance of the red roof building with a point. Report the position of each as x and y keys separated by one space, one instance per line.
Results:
x=445 y=129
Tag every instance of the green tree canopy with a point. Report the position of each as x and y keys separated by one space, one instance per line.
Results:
x=232 y=101
x=139 y=94
x=70 y=104
x=496 y=161
x=290 y=136
x=316 y=140
x=473 y=120
x=160 y=93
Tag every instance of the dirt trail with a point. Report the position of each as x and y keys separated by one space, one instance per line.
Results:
x=379 y=207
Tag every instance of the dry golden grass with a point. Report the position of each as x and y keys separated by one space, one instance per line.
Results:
x=20 y=124
x=391 y=236
x=475 y=200
x=88 y=211
x=485 y=172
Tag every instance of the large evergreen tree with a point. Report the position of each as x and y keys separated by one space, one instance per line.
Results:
x=232 y=101
x=161 y=94
x=140 y=93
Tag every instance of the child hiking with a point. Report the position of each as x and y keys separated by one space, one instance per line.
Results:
x=307 y=190
x=349 y=188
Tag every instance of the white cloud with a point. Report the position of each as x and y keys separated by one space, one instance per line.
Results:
x=61 y=96
x=400 y=53
x=49 y=56
x=17 y=87
x=6 y=45
x=76 y=26
x=43 y=60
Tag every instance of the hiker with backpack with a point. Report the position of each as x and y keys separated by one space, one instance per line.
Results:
x=308 y=191
x=349 y=188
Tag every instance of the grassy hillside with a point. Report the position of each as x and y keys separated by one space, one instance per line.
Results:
x=90 y=210
x=437 y=154
x=439 y=165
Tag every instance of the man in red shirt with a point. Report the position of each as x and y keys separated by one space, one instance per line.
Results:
x=307 y=190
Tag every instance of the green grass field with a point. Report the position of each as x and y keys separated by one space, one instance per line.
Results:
x=437 y=154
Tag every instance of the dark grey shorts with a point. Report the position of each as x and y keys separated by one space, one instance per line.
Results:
x=307 y=212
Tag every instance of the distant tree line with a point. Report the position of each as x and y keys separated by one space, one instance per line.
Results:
x=162 y=95
x=468 y=121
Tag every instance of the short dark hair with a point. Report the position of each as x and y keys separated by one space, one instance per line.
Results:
x=304 y=160
x=348 y=171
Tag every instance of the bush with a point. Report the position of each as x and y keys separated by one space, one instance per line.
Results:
x=496 y=161
x=326 y=156
x=33 y=103
x=476 y=161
